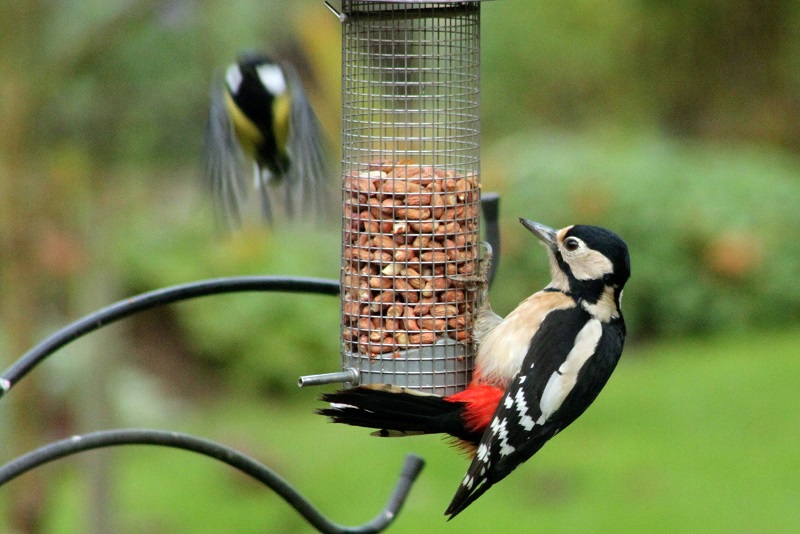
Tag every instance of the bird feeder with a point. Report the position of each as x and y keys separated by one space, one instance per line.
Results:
x=410 y=191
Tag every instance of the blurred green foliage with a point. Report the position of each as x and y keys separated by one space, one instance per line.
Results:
x=673 y=123
x=706 y=224
x=265 y=340
x=708 y=68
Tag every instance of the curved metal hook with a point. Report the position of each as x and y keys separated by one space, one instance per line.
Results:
x=151 y=299
x=108 y=438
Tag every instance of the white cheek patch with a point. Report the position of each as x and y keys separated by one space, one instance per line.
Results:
x=591 y=266
x=564 y=379
x=272 y=78
x=233 y=78
x=559 y=278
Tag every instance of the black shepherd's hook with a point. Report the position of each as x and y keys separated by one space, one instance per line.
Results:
x=124 y=308
x=145 y=301
x=108 y=438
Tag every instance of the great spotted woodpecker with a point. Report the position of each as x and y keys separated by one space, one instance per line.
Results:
x=536 y=371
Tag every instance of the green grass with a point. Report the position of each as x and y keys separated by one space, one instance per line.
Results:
x=689 y=436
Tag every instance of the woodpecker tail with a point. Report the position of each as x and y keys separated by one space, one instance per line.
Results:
x=398 y=412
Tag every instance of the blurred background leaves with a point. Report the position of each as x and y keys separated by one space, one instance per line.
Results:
x=674 y=123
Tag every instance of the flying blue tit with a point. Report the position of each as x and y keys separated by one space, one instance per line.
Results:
x=260 y=117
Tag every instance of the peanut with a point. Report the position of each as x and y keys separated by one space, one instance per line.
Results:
x=406 y=229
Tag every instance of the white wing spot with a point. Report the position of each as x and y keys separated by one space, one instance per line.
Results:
x=522 y=407
x=467 y=483
x=499 y=428
x=483 y=453
x=508 y=402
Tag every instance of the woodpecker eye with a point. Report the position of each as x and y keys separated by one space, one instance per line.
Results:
x=571 y=244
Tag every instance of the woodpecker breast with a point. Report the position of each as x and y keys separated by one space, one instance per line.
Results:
x=501 y=353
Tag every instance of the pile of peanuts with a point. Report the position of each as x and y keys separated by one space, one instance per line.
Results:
x=407 y=230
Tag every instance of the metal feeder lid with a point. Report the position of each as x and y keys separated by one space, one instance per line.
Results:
x=422 y=1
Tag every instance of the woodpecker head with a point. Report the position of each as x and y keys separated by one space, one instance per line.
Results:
x=589 y=262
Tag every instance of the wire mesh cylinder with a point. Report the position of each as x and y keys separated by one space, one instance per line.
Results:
x=411 y=191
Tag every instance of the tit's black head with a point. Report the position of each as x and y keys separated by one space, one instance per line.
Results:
x=256 y=76
x=253 y=58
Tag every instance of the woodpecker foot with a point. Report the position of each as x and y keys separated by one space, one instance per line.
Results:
x=479 y=281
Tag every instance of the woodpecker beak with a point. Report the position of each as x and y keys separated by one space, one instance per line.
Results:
x=545 y=234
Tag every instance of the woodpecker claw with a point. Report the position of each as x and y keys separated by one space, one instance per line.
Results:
x=485 y=319
x=479 y=281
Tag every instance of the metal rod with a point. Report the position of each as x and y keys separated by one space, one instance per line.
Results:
x=341 y=16
x=349 y=376
x=246 y=464
x=490 y=204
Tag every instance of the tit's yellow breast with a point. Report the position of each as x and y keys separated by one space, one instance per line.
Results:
x=281 y=107
x=246 y=131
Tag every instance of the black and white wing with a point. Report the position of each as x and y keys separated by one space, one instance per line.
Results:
x=570 y=359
